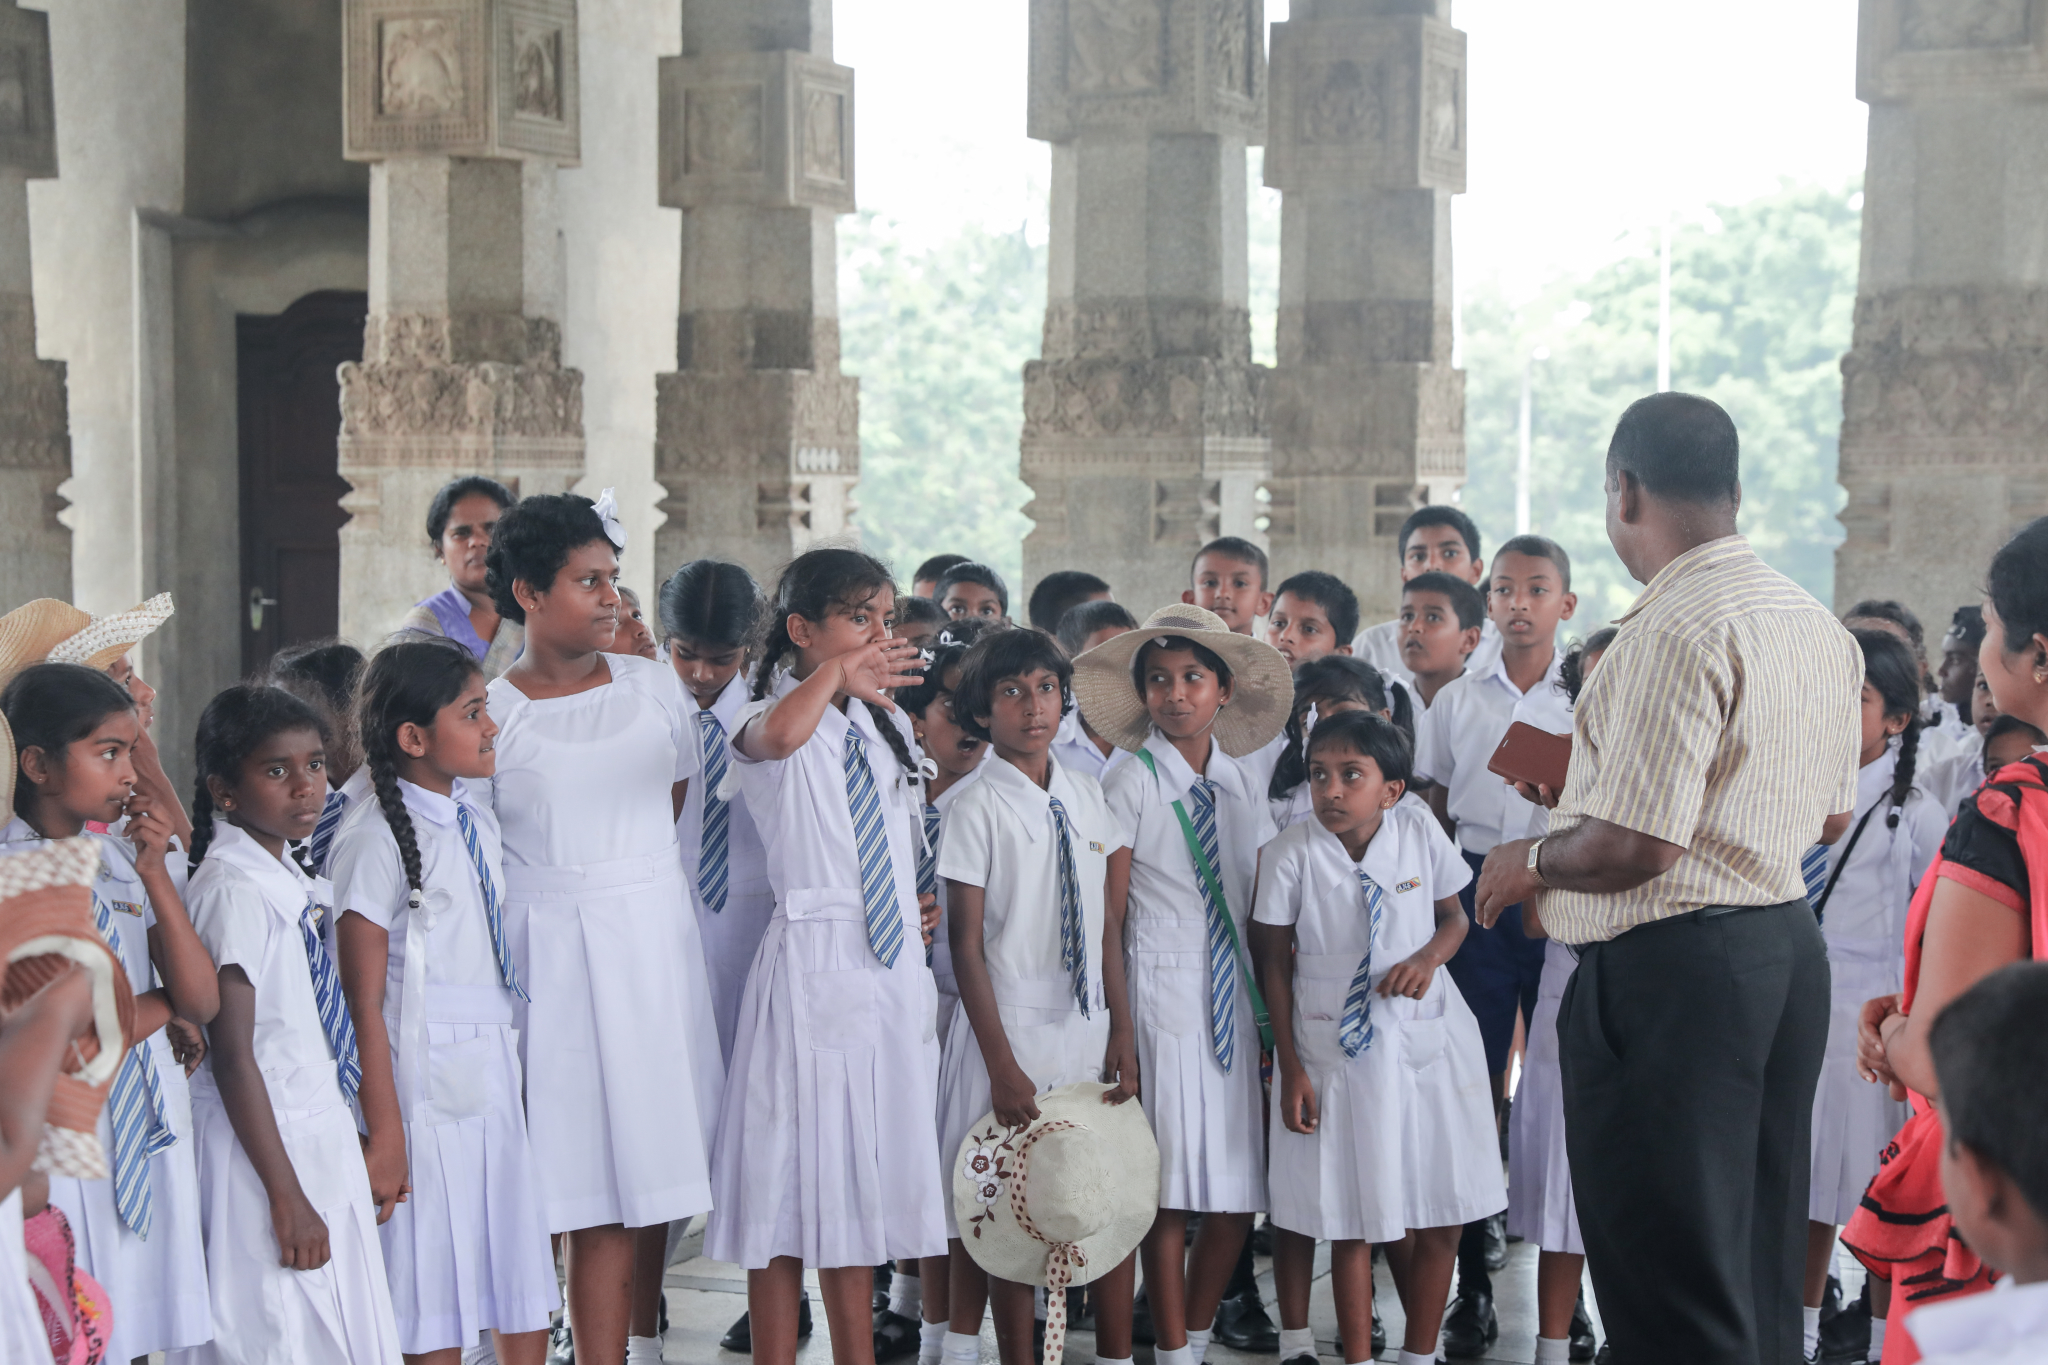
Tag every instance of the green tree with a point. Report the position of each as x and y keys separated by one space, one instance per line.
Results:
x=1762 y=295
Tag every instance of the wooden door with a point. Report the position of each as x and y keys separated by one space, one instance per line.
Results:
x=289 y=404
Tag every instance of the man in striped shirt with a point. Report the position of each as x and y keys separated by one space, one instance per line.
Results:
x=1716 y=741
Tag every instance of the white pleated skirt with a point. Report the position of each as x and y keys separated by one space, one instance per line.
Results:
x=1853 y=1119
x=158 y=1284
x=1540 y=1206
x=827 y=1146
x=264 y=1313
x=731 y=938
x=468 y=1251
x=1405 y=1135
x=1209 y=1123
x=619 y=1044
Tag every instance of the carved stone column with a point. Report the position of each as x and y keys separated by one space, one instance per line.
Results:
x=1945 y=387
x=757 y=437
x=1367 y=145
x=464 y=108
x=1143 y=433
x=35 y=444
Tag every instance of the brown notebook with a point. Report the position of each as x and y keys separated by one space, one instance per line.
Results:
x=1527 y=754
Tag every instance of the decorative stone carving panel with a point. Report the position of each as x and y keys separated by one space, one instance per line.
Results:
x=1159 y=65
x=1947 y=376
x=768 y=129
x=1912 y=47
x=1377 y=102
x=1180 y=397
x=493 y=78
x=28 y=125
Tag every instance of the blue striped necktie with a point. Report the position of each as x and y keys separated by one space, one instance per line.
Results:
x=1222 y=957
x=1355 y=1033
x=712 y=872
x=323 y=832
x=928 y=866
x=494 y=913
x=136 y=1113
x=871 y=842
x=334 y=1020
x=1073 y=928
x=1813 y=870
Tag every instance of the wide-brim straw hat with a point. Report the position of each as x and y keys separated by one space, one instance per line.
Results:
x=51 y=631
x=1261 y=693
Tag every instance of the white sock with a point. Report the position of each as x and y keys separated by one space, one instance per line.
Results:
x=1876 y=1340
x=643 y=1351
x=1553 y=1351
x=906 y=1294
x=1112 y=1360
x=483 y=1353
x=931 y=1342
x=1810 y=1330
x=1296 y=1342
x=1408 y=1357
x=961 y=1349
x=1198 y=1345
x=1184 y=1356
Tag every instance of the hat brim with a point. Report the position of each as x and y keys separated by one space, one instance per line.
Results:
x=33 y=629
x=1261 y=688
x=1004 y=1249
x=106 y=638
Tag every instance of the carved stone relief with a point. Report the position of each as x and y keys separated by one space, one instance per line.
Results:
x=1947 y=25
x=824 y=134
x=1347 y=104
x=419 y=68
x=1230 y=40
x=537 y=71
x=1442 y=94
x=1960 y=364
x=1115 y=46
x=722 y=129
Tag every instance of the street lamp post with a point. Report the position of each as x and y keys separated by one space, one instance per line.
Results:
x=1522 y=456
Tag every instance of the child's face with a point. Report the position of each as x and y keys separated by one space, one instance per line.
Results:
x=88 y=779
x=2009 y=748
x=1300 y=630
x=846 y=627
x=1878 y=728
x=1348 y=789
x=1527 y=600
x=1232 y=588
x=1182 y=693
x=634 y=636
x=704 y=670
x=1958 y=673
x=462 y=741
x=279 y=790
x=1432 y=641
x=466 y=540
x=1024 y=714
x=122 y=671
x=579 y=611
x=939 y=734
x=1106 y=633
x=1440 y=549
x=1983 y=706
x=965 y=599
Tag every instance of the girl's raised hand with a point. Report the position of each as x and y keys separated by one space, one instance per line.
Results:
x=872 y=670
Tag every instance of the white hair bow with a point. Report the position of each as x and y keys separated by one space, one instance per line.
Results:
x=607 y=509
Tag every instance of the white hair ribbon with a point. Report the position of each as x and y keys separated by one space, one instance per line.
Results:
x=607 y=509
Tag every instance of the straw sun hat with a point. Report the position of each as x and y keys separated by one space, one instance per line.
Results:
x=49 y=631
x=1261 y=694
x=1062 y=1200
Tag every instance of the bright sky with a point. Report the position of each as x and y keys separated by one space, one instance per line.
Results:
x=1589 y=118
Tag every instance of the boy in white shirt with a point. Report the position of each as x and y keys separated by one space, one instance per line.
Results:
x=1434 y=539
x=1081 y=629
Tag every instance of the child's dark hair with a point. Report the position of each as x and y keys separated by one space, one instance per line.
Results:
x=1436 y=514
x=1006 y=654
x=2017 y=585
x=710 y=602
x=1463 y=597
x=407 y=683
x=815 y=582
x=1376 y=737
x=1967 y=625
x=933 y=569
x=1990 y=1050
x=443 y=505
x=1205 y=656
x=969 y=572
x=1085 y=618
x=533 y=541
x=1334 y=677
x=2012 y=725
x=919 y=611
x=948 y=648
x=1876 y=609
x=1237 y=548
x=52 y=706
x=1571 y=670
x=1889 y=666
x=1538 y=547
x=1058 y=593
x=1329 y=592
x=323 y=672
x=233 y=726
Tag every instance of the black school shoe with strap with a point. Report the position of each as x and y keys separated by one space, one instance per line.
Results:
x=1471 y=1326
x=740 y=1336
x=1242 y=1324
x=1580 y=1333
x=895 y=1336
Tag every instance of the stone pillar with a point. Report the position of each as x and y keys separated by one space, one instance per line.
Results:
x=464 y=108
x=1367 y=145
x=757 y=433
x=1143 y=432
x=35 y=445
x=1945 y=387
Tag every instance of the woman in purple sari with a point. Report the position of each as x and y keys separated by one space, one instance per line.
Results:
x=460 y=522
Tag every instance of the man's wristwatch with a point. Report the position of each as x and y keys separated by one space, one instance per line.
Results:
x=1535 y=872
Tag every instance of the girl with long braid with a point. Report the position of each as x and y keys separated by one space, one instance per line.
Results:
x=827 y=1155
x=427 y=968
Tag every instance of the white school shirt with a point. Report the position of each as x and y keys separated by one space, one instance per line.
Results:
x=1455 y=739
x=1072 y=747
x=1950 y=765
x=585 y=779
x=1548 y=707
x=746 y=862
x=942 y=945
x=2006 y=1326
x=1164 y=883
x=1380 y=646
x=245 y=906
x=1867 y=909
x=1000 y=836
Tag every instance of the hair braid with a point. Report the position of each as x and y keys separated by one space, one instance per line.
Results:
x=202 y=824
x=384 y=781
x=406 y=684
x=893 y=737
x=778 y=644
x=1902 y=772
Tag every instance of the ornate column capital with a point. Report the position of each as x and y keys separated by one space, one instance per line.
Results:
x=1376 y=102
x=1161 y=66
x=757 y=129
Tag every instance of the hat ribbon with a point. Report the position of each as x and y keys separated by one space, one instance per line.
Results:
x=1062 y=1259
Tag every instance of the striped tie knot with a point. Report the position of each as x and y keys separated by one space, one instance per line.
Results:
x=494 y=912
x=713 y=852
x=331 y=812
x=871 y=844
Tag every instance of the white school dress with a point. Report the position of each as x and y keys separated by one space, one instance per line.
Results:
x=731 y=934
x=1209 y=1123
x=158 y=1283
x=619 y=1043
x=1864 y=923
x=1000 y=836
x=247 y=908
x=469 y=1250
x=829 y=1152
x=941 y=806
x=1405 y=1137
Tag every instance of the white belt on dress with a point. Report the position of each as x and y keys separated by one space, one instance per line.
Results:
x=537 y=881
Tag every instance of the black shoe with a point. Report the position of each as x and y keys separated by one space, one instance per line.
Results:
x=1580 y=1333
x=1242 y=1325
x=1142 y=1330
x=1379 y=1334
x=1471 y=1326
x=881 y=1294
x=1846 y=1335
x=740 y=1336
x=803 y=1319
x=1605 y=1355
x=1262 y=1240
x=1497 y=1241
x=895 y=1336
x=662 y=1330
x=561 y=1344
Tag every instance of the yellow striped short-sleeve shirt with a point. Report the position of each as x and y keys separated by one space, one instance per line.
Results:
x=1723 y=718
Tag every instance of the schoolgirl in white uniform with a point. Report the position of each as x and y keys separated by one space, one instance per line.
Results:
x=1329 y=686
x=828 y=1155
x=1184 y=684
x=618 y=1042
x=138 y=1234
x=1384 y=1121
x=427 y=966
x=292 y=1254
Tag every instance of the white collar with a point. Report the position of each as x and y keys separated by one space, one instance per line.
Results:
x=725 y=707
x=20 y=831
x=1176 y=776
x=433 y=807
x=1551 y=675
x=1026 y=798
x=286 y=887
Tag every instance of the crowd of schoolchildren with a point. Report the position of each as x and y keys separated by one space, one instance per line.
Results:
x=556 y=923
